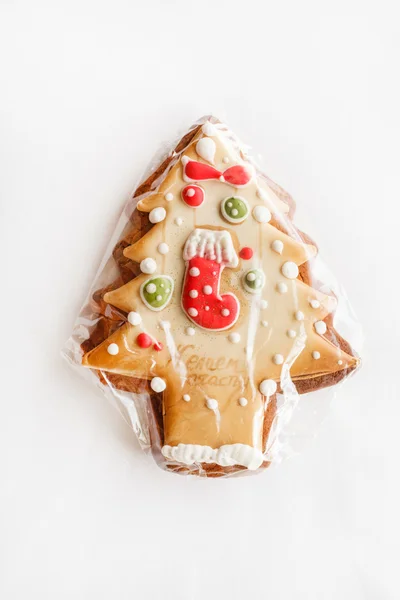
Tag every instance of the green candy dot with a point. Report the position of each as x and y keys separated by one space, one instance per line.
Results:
x=157 y=292
x=235 y=209
x=254 y=281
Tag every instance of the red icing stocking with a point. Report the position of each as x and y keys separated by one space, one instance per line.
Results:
x=206 y=254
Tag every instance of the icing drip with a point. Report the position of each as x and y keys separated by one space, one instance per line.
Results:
x=225 y=456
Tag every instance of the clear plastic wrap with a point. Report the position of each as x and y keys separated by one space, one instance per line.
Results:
x=212 y=321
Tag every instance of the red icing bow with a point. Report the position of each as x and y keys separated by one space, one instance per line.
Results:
x=238 y=175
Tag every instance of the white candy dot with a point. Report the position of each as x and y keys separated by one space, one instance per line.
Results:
x=291 y=333
x=290 y=270
x=193 y=293
x=234 y=338
x=134 y=318
x=158 y=298
x=178 y=221
x=207 y=289
x=339 y=362
x=264 y=304
x=169 y=197
x=148 y=265
x=157 y=214
x=163 y=248
x=226 y=160
x=194 y=272
x=277 y=359
x=206 y=308
x=281 y=287
x=157 y=384
x=186 y=397
x=315 y=304
x=277 y=246
x=193 y=312
x=316 y=355
x=113 y=349
x=250 y=277
x=298 y=315
x=222 y=179
x=234 y=212
x=261 y=214
x=267 y=387
x=212 y=404
x=264 y=323
x=151 y=288
x=243 y=401
x=225 y=312
x=206 y=148
x=190 y=331
x=190 y=192
x=320 y=327
x=229 y=204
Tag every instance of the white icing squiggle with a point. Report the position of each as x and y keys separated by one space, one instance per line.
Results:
x=225 y=456
x=213 y=245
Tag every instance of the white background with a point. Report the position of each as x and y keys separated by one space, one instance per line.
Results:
x=89 y=91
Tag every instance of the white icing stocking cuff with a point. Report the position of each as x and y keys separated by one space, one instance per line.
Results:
x=225 y=456
x=212 y=245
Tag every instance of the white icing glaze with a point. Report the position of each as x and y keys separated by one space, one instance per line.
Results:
x=212 y=403
x=194 y=272
x=113 y=349
x=267 y=387
x=316 y=355
x=315 y=303
x=186 y=397
x=157 y=384
x=298 y=315
x=277 y=246
x=212 y=245
x=291 y=333
x=209 y=129
x=151 y=288
x=163 y=248
x=134 y=318
x=178 y=221
x=320 y=327
x=234 y=337
x=169 y=197
x=277 y=359
x=193 y=293
x=243 y=401
x=290 y=270
x=225 y=456
x=157 y=215
x=193 y=312
x=190 y=331
x=148 y=266
x=281 y=287
x=207 y=290
x=206 y=148
x=261 y=214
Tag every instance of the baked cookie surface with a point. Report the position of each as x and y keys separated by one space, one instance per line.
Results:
x=216 y=309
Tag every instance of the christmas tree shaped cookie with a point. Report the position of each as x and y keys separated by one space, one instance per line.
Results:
x=222 y=315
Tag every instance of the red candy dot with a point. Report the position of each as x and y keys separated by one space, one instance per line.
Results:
x=193 y=195
x=158 y=346
x=246 y=253
x=143 y=340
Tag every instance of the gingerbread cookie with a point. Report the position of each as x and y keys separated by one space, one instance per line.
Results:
x=222 y=316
